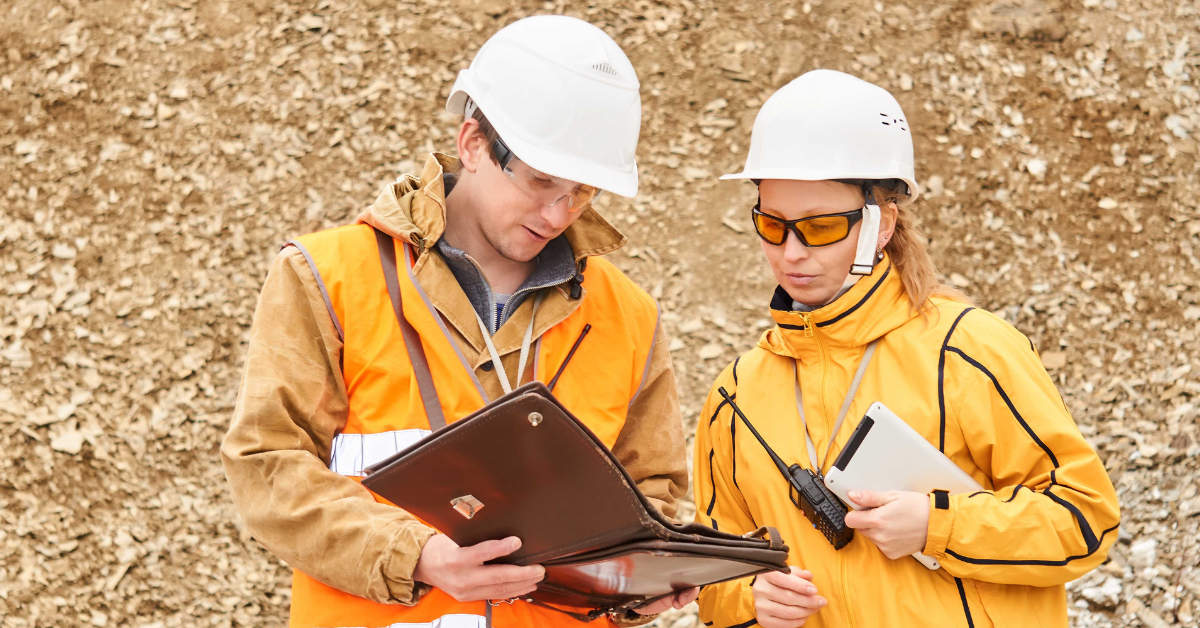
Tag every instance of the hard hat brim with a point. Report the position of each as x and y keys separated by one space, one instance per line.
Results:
x=555 y=163
x=572 y=168
x=790 y=174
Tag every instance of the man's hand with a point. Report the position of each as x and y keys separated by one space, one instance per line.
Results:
x=460 y=571
x=679 y=599
x=896 y=521
x=785 y=600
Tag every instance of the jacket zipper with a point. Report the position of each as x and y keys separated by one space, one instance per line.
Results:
x=822 y=351
x=810 y=331
x=511 y=298
x=809 y=327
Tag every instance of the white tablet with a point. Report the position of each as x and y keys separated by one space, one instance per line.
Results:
x=886 y=454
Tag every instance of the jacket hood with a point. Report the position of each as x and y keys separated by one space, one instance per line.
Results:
x=413 y=208
x=876 y=305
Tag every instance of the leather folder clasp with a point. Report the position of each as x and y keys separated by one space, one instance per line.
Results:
x=467 y=505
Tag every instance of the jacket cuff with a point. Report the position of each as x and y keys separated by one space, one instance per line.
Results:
x=405 y=550
x=941 y=522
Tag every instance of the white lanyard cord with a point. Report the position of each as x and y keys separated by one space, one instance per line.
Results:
x=858 y=375
x=525 y=343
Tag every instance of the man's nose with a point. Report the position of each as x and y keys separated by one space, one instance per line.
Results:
x=557 y=215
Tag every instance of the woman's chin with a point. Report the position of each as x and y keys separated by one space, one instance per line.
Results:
x=810 y=296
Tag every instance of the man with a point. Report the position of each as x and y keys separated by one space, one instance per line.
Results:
x=498 y=274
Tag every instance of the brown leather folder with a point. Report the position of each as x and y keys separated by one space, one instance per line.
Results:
x=524 y=466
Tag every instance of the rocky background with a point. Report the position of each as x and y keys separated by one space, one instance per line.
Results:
x=154 y=155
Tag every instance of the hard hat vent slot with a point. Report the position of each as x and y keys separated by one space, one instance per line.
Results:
x=605 y=67
x=894 y=121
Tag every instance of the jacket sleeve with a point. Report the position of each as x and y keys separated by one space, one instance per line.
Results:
x=1053 y=512
x=276 y=455
x=720 y=504
x=651 y=445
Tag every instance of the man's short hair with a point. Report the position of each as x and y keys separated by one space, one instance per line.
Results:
x=485 y=127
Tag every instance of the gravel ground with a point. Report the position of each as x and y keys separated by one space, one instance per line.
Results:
x=154 y=155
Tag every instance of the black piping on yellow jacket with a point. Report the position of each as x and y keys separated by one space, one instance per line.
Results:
x=973 y=386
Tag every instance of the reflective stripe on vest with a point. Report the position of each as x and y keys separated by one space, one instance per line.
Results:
x=447 y=621
x=351 y=453
x=386 y=415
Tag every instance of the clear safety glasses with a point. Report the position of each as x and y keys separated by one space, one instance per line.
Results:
x=543 y=188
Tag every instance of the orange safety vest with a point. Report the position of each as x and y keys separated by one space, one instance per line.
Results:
x=386 y=413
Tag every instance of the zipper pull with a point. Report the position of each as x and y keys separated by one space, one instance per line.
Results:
x=576 y=284
x=808 y=325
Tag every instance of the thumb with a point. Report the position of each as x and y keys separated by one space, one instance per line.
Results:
x=491 y=550
x=871 y=499
x=685 y=597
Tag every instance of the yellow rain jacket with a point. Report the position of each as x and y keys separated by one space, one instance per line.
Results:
x=969 y=383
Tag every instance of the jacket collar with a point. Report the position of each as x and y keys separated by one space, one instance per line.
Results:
x=555 y=265
x=875 y=305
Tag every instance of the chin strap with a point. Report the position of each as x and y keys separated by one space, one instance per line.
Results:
x=865 y=257
x=851 y=279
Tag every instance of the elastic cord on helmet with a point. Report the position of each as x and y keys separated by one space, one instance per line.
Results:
x=865 y=257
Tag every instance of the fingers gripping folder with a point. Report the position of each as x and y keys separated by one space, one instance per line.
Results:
x=524 y=466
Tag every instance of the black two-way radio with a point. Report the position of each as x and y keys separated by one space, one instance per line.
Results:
x=820 y=506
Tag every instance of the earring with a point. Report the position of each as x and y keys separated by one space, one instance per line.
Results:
x=879 y=252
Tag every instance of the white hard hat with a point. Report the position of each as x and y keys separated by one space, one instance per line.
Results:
x=828 y=125
x=563 y=96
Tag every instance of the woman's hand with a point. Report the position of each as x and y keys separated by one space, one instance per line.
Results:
x=896 y=521
x=679 y=599
x=785 y=600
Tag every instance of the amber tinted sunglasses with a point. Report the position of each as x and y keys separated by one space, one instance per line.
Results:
x=820 y=230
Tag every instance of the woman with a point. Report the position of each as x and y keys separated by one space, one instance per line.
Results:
x=833 y=160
